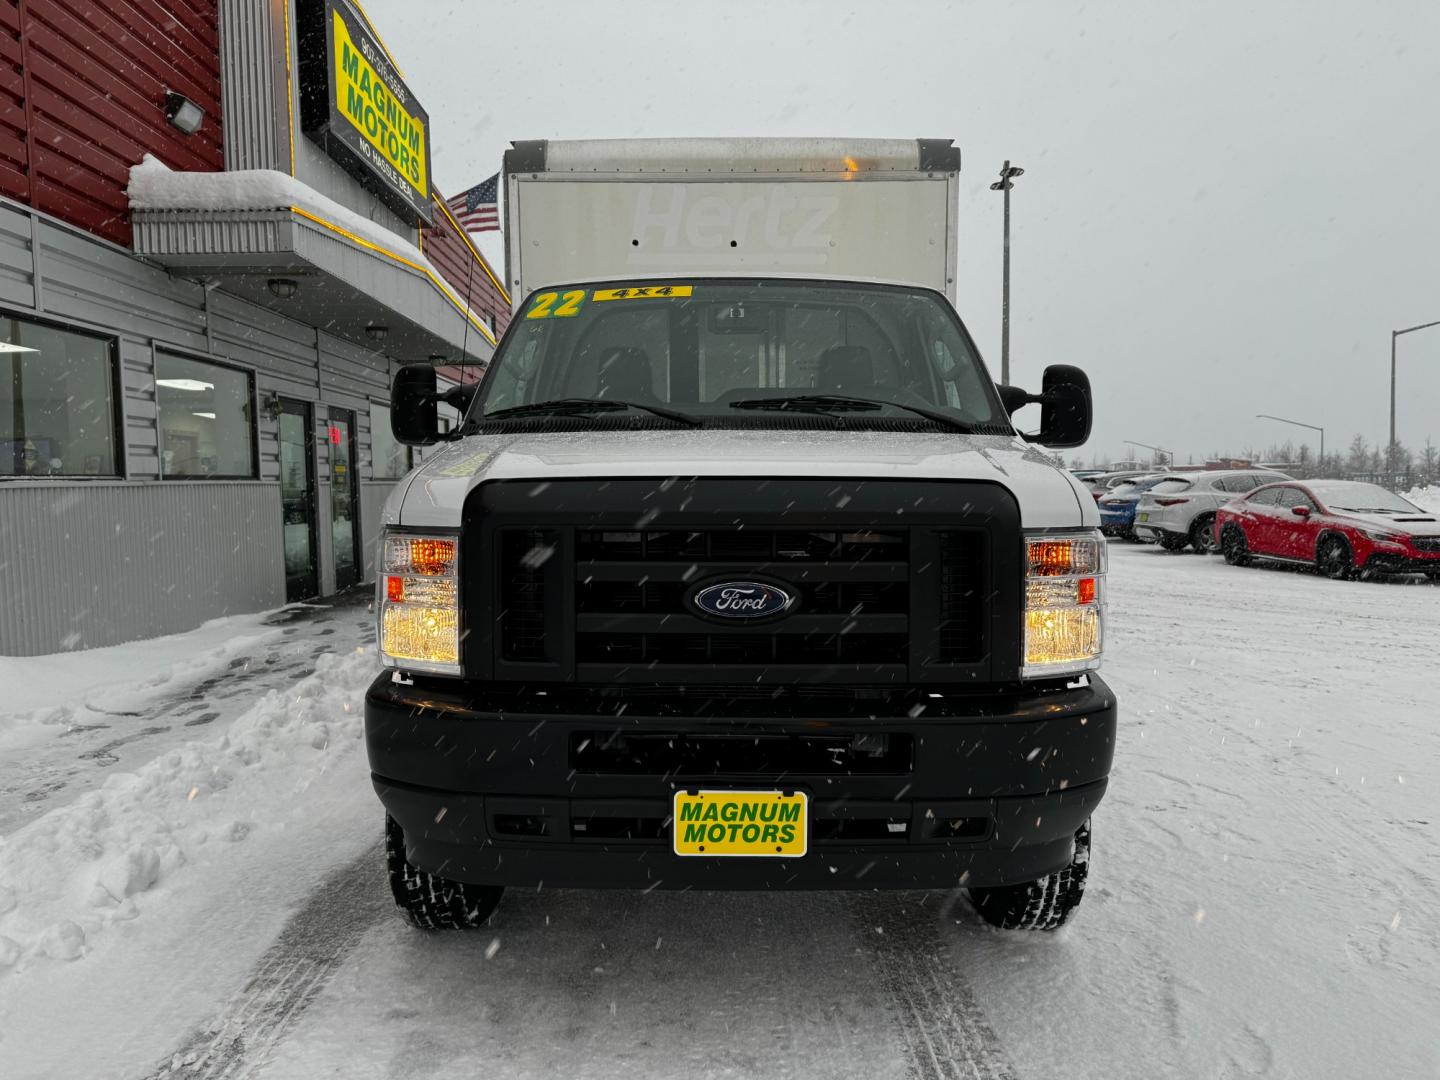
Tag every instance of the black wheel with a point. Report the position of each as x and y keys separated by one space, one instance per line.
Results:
x=1174 y=541
x=1202 y=535
x=1038 y=905
x=1334 y=559
x=431 y=902
x=1234 y=546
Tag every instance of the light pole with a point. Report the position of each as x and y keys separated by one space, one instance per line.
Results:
x=1169 y=454
x=1008 y=173
x=1394 y=336
x=1312 y=427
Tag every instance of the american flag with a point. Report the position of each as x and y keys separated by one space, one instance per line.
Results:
x=476 y=209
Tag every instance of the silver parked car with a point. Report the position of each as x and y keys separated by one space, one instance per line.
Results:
x=1101 y=483
x=1180 y=510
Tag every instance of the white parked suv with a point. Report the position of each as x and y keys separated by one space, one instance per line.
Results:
x=1180 y=511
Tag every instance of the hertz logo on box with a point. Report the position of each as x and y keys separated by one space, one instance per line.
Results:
x=355 y=105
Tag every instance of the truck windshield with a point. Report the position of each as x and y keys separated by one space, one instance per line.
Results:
x=727 y=349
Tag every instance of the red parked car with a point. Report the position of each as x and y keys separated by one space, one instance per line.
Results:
x=1341 y=527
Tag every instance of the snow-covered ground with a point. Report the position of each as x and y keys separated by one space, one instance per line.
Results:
x=1263 y=898
x=68 y=721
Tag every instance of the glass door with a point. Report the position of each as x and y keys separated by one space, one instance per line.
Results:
x=297 y=499
x=344 y=500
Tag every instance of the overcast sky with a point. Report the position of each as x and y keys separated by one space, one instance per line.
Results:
x=1226 y=207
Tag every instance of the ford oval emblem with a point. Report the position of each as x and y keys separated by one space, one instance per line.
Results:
x=742 y=600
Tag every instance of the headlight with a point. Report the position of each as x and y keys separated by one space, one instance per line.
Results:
x=1382 y=537
x=1064 y=603
x=419 y=603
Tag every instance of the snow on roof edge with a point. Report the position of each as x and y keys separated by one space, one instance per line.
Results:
x=155 y=186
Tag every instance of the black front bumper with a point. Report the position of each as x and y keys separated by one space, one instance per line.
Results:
x=573 y=787
x=1386 y=562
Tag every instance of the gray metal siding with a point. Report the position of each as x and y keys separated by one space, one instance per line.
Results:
x=17 y=266
x=90 y=564
x=90 y=557
x=191 y=237
x=142 y=422
x=97 y=283
x=252 y=83
x=373 y=494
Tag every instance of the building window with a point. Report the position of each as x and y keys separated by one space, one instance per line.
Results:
x=390 y=460
x=57 y=401
x=205 y=419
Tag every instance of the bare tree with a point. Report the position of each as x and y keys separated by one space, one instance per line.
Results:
x=1429 y=460
x=1359 y=456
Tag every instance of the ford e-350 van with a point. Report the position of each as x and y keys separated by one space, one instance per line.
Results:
x=737 y=573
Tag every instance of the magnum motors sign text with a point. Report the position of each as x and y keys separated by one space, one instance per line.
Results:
x=355 y=105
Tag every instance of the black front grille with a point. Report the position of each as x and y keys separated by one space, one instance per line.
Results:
x=816 y=598
x=741 y=542
x=894 y=583
x=851 y=589
x=523 y=554
x=1427 y=543
x=962 y=607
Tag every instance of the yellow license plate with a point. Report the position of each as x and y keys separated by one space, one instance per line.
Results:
x=1143 y=517
x=759 y=823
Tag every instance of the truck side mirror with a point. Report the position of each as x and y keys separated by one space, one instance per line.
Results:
x=1066 y=411
x=1065 y=406
x=414 y=411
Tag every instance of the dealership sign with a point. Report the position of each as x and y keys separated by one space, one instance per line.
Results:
x=355 y=105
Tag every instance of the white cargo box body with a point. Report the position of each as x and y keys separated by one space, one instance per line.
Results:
x=874 y=210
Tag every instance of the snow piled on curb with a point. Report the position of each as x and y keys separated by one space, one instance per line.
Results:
x=104 y=859
x=57 y=689
x=1427 y=498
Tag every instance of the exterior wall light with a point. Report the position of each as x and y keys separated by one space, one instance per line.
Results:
x=183 y=113
x=272 y=405
x=282 y=287
x=377 y=333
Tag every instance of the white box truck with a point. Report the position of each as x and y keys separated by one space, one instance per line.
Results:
x=737 y=573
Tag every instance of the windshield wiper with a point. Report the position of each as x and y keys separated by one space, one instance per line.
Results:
x=837 y=403
x=581 y=406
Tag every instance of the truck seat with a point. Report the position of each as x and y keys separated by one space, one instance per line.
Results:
x=624 y=374
x=845 y=369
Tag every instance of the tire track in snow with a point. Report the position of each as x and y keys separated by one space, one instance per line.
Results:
x=942 y=1027
x=294 y=970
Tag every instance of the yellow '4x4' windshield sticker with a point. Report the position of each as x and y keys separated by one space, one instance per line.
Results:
x=642 y=292
x=545 y=308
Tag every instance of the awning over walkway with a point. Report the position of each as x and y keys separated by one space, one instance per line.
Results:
x=251 y=233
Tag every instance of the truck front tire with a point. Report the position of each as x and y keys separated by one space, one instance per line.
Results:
x=1038 y=905
x=431 y=902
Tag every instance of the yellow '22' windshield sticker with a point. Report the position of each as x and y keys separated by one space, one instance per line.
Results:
x=554 y=305
x=642 y=292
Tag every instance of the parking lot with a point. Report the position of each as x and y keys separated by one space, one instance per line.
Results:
x=1262 y=900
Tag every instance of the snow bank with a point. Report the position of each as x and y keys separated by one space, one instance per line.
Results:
x=55 y=689
x=1427 y=498
x=102 y=860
